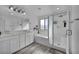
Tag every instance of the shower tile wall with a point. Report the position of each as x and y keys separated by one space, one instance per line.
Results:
x=60 y=32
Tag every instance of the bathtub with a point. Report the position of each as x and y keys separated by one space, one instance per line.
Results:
x=42 y=35
x=42 y=39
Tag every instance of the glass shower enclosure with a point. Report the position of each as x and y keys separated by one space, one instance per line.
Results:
x=59 y=31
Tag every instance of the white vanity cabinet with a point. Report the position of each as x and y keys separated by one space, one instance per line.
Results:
x=4 y=46
x=11 y=43
x=29 y=38
x=14 y=44
x=22 y=40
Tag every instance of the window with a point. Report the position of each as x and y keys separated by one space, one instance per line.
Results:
x=44 y=23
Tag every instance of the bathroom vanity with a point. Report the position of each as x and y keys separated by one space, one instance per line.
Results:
x=12 y=42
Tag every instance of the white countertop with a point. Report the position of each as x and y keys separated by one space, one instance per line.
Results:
x=7 y=34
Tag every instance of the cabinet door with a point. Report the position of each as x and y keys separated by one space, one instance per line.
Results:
x=22 y=40
x=29 y=38
x=4 y=47
x=14 y=44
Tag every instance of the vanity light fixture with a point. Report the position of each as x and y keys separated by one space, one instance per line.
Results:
x=16 y=9
x=11 y=7
x=20 y=10
x=12 y=13
x=23 y=12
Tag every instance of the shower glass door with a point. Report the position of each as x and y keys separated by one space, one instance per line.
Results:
x=60 y=24
x=60 y=31
x=61 y=27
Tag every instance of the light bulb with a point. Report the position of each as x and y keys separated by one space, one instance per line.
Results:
x=58 y=8
x=23 y=12
x=11 y=8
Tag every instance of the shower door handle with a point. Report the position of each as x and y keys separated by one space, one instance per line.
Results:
x=69 y=32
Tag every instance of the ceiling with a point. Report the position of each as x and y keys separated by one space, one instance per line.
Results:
x=35 y=10
x=40 y=10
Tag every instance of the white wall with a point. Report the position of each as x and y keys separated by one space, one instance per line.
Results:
x=33 y=21
x=75 y=30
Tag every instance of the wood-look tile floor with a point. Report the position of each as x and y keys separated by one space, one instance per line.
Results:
x=35 y=48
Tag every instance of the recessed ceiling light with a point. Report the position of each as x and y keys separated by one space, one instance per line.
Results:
x=58 y=8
